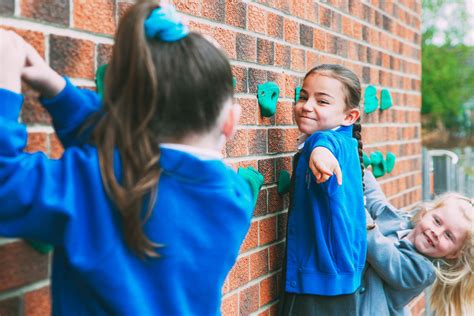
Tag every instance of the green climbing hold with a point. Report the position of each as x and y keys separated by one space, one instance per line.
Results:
x=379 y=167
x=99 y=79
x=297 y=93
x=385 y=100
x=284 y=182
x=234 y=82
x=370 y=99
x=267 y=95
x=365 y=160
x=254 y=178
x=390 y=159
x=39 y=246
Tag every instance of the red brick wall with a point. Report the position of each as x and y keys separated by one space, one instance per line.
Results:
x=266 y=40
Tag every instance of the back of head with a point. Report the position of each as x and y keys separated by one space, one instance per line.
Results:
x=154 y=91
x=453 y=291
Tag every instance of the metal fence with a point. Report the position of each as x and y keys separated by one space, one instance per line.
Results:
x=452 y=171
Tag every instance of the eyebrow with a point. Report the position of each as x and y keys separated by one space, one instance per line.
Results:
x=318 y=93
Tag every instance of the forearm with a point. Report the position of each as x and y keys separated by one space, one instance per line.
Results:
x=69 y=109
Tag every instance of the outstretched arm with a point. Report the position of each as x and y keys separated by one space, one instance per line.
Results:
x=69 y=106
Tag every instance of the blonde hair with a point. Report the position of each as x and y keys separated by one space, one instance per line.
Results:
x=453 y=291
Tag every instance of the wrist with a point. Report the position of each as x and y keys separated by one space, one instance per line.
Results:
x=54 y=86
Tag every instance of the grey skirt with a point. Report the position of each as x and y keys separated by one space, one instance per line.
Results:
x=292 y=304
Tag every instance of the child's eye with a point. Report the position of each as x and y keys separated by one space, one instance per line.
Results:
x=323 y=102
x=449 y=235
x=436 y=220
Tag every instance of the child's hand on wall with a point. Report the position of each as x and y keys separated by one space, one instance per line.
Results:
x=39 y=75
x=323 y=164
x=12 y=60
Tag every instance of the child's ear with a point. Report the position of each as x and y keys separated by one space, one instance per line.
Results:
x=231 y=120
x=351 y=116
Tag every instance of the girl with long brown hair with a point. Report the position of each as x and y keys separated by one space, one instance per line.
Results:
x=144 y=216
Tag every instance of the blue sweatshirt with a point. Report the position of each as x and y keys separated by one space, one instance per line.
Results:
x=202 y=214
x=326 y=238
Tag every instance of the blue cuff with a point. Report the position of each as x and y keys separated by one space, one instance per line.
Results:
x=10 y=104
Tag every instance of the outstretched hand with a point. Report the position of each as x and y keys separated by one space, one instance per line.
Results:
x=39 y=75
x=323 y=164
x=12 y=60
x=19 y=60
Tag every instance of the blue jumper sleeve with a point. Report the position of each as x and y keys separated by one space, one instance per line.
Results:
x=401 y=267
x=69 y=110
x=36 y=193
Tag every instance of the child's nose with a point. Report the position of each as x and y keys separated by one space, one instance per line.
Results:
x=309 y=105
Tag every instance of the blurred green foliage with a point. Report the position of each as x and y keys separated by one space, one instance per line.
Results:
x=447 y=64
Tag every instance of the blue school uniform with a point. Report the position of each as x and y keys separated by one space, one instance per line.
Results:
x=326 y=238
x=201 y=216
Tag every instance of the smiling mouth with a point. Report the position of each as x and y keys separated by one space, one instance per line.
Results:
x=430 y=242
x=308 y=118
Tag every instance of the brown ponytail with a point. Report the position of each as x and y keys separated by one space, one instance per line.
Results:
x=356 y=133
x=154 y=91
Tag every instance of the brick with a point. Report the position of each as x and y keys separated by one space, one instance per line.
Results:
x=51 y=11
x=306 y=35
x=277 y=254
x=241 y=79
x=7 y=7
x=347 y=26
x=258 y=264
x=37 y=142
x=325 y=16
x=251 y=239
x=240 y=273
x=261 y=207
x=237 y=146
x=56 y=148
x=298 y=59
x=275 y=25
x=214 y=10
x=32 y=111
x=230 y=305
x=257 y=141
x=226 y=40
x=256 y=77
x=192 y=7
x=236 y=13
x=275 y=201
x=291 y=31
x=249 y=300
x=298 y=8
x=65 y=52
x=246 y=47
x=282 y=221
x=265 y=51
x=11 y=306
x=284 y=113
x=336 y=23
x=104 y=54
x=312 y=11
x=267 y=230
x=96 y=16
x=282 y=55
x=284 y=163
x=249 y=111
x=37 y=302
x=257 y=19
x=319 y=39
x=21 y=265
x=268 y=290
x=267 y=168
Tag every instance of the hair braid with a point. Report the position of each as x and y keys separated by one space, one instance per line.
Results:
x=356 y=133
